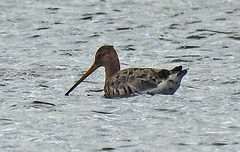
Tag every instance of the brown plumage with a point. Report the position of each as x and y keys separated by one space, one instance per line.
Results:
x=133 y=80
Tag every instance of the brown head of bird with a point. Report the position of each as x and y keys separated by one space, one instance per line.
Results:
x=105 y=56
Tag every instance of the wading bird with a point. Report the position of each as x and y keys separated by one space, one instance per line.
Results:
x=127 y=82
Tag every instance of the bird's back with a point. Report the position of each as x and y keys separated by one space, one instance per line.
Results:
x=143 y=80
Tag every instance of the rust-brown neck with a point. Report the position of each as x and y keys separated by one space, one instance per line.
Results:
x=112 y=68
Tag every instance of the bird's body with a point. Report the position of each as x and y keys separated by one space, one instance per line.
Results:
x=124 y=83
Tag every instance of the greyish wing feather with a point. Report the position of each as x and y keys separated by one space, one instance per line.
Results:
x=134 y=80
x=170 y=85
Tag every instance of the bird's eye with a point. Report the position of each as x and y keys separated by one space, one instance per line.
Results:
x=99 y=55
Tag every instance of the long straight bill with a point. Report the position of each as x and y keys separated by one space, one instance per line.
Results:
x=90 y=70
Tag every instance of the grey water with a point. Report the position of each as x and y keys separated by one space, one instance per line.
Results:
x=45 y=46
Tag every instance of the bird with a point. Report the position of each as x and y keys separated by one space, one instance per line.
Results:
x=132 y=81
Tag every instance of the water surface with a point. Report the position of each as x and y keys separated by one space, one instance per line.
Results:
x=46 y=46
